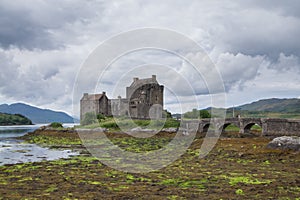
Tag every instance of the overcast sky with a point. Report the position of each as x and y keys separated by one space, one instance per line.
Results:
x=254 y=44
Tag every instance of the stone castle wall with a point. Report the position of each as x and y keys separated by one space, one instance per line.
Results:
x=143 y=97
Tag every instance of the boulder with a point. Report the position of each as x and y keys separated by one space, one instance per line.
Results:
x=285 y=142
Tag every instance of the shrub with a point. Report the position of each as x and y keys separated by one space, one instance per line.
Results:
x=56 y=125
x=172 y=123
x=166 y=114
x=89 y=118
x=111 y=124
x=204 y=114
x=100 y=117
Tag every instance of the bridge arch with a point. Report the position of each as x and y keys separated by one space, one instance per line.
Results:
x=229 y=129
x=248 y=128
x=205 y=128
x=268 y=126
x=225 y=125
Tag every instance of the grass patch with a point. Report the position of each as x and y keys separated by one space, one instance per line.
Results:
x=234 y=180
x=53 y=140
x=141 y=144
x=239 y=192
x=51 y=188
x=114 y=124
x=232 y=128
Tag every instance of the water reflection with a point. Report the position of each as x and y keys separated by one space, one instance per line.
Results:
x=17 y=131
x=14 y=150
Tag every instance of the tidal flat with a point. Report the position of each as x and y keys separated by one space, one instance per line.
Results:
x=236 y=168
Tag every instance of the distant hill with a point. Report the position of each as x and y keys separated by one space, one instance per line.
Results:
x=13 y=119
x=265 y=108
x=36 y=115
x=273 y=105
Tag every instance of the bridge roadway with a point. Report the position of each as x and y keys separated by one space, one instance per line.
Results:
x=270 y=126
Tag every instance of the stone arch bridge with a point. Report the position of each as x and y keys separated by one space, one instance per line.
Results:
x=270 y=126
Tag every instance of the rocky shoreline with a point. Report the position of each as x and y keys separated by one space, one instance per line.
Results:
x=236 y=168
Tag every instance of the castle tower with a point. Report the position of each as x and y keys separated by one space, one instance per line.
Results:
x=144 y=99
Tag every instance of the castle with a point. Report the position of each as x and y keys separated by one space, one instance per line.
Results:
x=144 y=100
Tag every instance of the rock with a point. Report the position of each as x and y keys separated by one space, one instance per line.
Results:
x=285 y=142
x=99 y=129
x=136 y=129
x=42 y=128
x=82 y=130
x=185 y=133
x=46 y=128
x=169 y=130
x=139 y=129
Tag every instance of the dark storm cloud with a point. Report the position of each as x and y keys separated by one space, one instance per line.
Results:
x=36 y=24
x=17 y=29
x=260 y=28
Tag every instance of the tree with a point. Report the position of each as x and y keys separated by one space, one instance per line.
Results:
x=195 y=114
x=166 y=114
x=205 y=114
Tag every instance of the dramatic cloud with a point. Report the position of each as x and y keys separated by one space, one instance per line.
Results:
x=40 y=24
x=238 y=69
x=254 y=44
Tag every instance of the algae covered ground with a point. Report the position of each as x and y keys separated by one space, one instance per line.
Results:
x=237 y=168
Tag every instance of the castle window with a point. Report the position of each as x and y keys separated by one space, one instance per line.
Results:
x=156 y=98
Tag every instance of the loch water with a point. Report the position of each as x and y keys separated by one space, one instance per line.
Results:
x=14 y=150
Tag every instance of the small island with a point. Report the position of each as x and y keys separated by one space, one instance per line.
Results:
x=13 y=119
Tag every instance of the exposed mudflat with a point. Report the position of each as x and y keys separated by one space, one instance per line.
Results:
x=237 y=168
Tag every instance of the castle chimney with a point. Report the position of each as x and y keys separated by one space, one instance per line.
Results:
x=85 y=94
x=135 y=79
x=104 y=93
x=153 y=77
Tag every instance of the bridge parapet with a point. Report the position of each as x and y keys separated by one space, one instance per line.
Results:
x=270 y=126
x=279 y=127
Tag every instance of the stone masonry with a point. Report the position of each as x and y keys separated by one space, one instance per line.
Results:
x=144 y=100
x=270 y=126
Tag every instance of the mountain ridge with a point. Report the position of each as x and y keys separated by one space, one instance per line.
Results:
x=287 y=108
x=284 y=105
x=35 y=114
